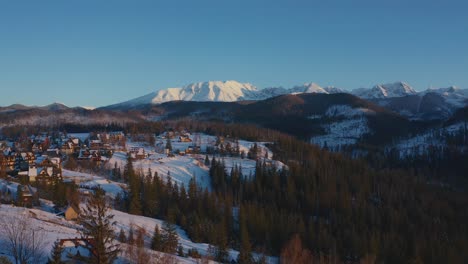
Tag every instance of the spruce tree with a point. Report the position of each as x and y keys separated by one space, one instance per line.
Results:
x=122 y=238
x=169 y=238
x=56 y=254
x=19 y=195
x=168 y=144
x=180 y=251
x=156 y=241
x=245 y=254
x=97 y=230
x=131 y=237
x=134 y=184
x=221 y=243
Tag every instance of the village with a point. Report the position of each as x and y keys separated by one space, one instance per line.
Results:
x=29 y=165
x=90 y=159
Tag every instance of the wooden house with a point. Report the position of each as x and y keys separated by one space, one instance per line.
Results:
x=72 y=212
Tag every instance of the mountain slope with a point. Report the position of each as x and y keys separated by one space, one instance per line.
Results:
x=304 y=115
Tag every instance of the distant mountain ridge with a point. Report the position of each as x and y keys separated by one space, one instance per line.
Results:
x=232 y=91
x=399 y=97
x=397 y=89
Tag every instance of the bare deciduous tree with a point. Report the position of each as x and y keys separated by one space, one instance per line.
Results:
x=23 y=241
x=136 y=251
x=295 y=253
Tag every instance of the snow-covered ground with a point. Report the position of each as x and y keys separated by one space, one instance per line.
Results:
x=344 y=132
x=51 y=227
x=350 y=127
x=183 y=168
x=419 y=144
x=180 y=168
x=89 y=181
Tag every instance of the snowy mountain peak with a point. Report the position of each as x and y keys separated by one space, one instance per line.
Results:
x=333 y=89
x=223 y=91
x=231 y=91
x=308 y=88
x=397 y=89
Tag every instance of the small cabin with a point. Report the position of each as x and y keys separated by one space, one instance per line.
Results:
x=72 y=212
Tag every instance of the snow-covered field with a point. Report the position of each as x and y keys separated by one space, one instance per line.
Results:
x=89 y=181
x=180 y=168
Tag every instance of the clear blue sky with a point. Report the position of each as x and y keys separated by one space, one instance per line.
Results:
x=94 y=53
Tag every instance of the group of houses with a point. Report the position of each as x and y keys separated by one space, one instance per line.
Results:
x=39 y=157
x=30 y=166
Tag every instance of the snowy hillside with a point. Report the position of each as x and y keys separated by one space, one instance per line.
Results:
x=350 y=125
x=421 y=143
x=50 y=227
x=183 y=168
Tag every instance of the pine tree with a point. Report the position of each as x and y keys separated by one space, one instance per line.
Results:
x=221 y=243
x=169 y=238
x=122 y=238
x=56 y=254
x=245 y=254
x=19 y=195
x=128 y=170
x=140 y=255
x=97 y=231
x=180 y=251
x=168 y=144
x=134 y=185
x=131 y=237
x=156 y=241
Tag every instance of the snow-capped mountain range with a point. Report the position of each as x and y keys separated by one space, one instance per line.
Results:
x=231 y=91
x=397 y=89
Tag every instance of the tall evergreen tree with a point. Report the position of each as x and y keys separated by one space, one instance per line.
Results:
x=156 y=241
x=122 y=238
x=134 y=186
x=245 y=254
x=221 y=243
x=56 y=254
x=169 y=238
x=97 y=231
x=131 y=236
x=168 y=144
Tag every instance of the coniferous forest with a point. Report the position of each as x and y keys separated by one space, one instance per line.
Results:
x=339 y=209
